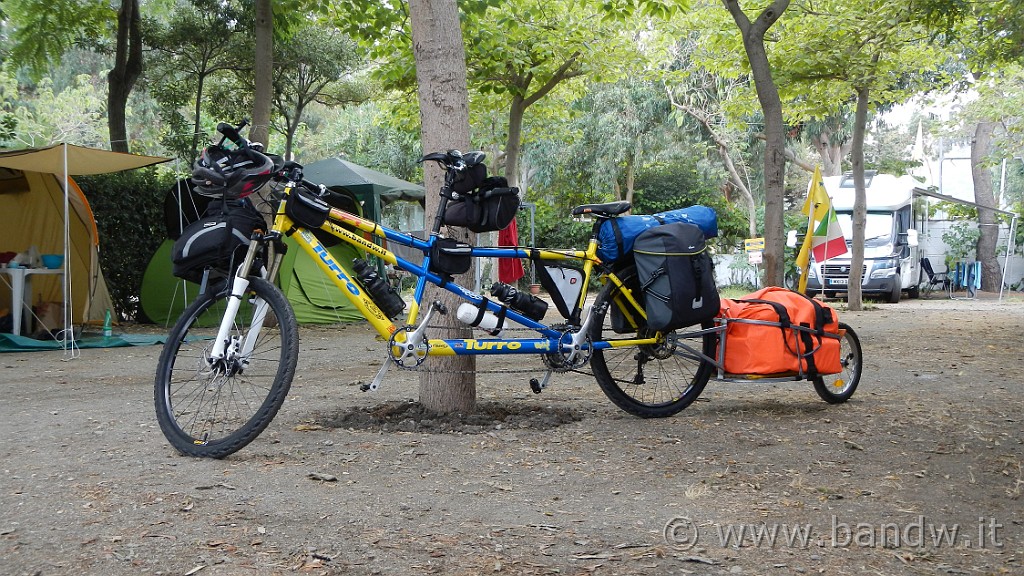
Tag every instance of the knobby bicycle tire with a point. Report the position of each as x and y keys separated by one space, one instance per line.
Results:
x=648 y=381
x=215 y=410
x=837 y=388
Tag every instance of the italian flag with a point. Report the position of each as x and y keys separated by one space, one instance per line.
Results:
x=828 y=241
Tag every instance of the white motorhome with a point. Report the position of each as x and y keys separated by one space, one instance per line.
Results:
x=891 y=263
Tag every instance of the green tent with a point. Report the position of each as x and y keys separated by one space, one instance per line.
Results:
x=314 y=299
x=373 y=190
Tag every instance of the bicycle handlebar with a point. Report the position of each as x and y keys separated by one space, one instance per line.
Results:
x=231 y=133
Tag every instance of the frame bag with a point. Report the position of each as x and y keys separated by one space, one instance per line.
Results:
x=761 y=339
x=563 y=284
x=215 y=241
x=449 y=257
x=677 y=276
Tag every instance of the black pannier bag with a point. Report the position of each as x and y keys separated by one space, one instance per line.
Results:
x=488 y=209
x=449 y=257
x=677 y=276
x=218 y=240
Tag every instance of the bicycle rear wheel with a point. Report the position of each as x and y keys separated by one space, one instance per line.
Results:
x=213 y=408
x=837 y=388
x=650 y=381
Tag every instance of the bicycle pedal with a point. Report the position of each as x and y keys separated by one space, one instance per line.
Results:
x=535 y=385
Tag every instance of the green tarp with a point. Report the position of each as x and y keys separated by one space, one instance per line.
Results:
x=12 y=343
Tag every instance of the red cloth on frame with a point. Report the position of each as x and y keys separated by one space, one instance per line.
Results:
x=509 y=269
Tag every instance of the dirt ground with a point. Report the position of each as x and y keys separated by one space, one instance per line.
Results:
x=921 y=472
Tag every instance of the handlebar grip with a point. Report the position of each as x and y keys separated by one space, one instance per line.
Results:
x=231 y=133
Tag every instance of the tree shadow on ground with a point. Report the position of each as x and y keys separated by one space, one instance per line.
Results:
x=414 y=417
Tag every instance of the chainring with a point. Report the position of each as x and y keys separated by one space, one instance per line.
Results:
x=558 y=361
x=419 y=354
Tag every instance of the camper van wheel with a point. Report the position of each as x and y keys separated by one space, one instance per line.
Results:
x=830 y=293
x=894 y=296
x=914 y=291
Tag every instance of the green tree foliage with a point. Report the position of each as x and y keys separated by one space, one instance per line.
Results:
x=43 y=30
x=680 y=184
x=621 y=127
x=74 y=115
x=130 y=220
x=363 y=135
x=202 y=39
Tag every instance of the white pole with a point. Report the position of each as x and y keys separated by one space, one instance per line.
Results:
x=68 y=341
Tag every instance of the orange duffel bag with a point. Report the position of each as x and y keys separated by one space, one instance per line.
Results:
x=760 y=337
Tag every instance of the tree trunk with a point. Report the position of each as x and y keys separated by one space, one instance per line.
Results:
x=860 y=212
x=450 y=383
x=263 y=69
x=774 y=130
x=630 y=179
x=122 y=76
x=522 y=101
x=197 y=114
x=988 y=226
x=516 y=111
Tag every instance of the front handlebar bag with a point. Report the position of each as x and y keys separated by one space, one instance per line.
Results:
x=216 y=241
x=489 y=209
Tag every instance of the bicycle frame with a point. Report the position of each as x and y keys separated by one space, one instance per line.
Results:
x=342 y=277
x=549 y=340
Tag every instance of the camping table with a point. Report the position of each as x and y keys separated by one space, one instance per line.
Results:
x=21 y=291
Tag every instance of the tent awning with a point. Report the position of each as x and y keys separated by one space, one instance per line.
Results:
x=80 y=160
x=945 y=198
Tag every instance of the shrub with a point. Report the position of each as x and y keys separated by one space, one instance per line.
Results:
x=129 y=218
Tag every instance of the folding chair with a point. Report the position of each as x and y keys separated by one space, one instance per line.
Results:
x=934 y=279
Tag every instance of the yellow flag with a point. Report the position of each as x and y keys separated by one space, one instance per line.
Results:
x=815 y=207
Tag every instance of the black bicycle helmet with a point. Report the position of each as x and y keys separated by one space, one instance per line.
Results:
x=231 y=174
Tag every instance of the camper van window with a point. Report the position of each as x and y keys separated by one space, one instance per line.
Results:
x=847 y=180
x=877 y=227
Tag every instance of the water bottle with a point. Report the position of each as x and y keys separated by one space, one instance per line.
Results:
x=467 y=314
x=528 y=304
x=107 y=326
x=382 y=294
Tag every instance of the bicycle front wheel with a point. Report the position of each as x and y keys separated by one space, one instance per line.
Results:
x=213 y=407
x=650 y=381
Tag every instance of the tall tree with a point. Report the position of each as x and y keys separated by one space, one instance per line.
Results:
x=988 y=36
x=125 y=72
x=873 y=53
x=312 y=67
x=263 y=67
x=198 y=43
x=444 y=115
x=753 y=35
x=701 y=96
x=44 y=30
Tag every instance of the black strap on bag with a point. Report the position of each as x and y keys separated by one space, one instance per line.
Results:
x=805 y=336
x=618 y=237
